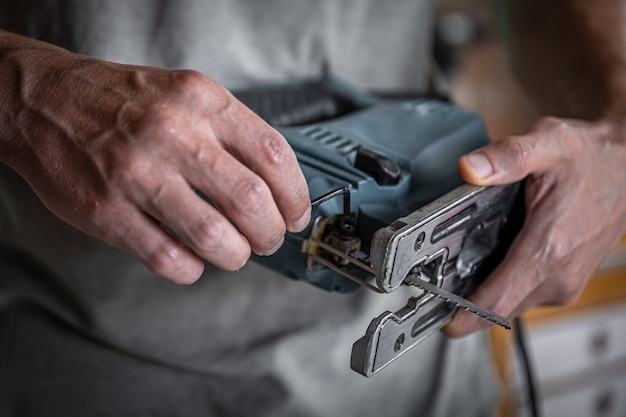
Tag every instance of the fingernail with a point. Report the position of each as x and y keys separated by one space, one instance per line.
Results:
x=302 y=222
x=479 y=163
x=274 y=247
x=241 y=267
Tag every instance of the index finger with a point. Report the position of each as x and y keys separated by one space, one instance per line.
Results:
x=267 y=153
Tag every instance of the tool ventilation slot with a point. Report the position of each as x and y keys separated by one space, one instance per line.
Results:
x=343 y=145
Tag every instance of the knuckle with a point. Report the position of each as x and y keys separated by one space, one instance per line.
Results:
x=209 y=236
x=569 y=291
x=162 y=121
x=274 y=148
x=520 y=148
x=556 y=253
x=165 y=259
x=191 y=80
x=213 y=241
x=251 y=195
x=551 y=123
x=152 y=122
x=191 y=83
x=254 y=200
x=563 y=136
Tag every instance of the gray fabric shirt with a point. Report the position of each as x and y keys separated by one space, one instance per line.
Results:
x=376 y=44
x=87 y=330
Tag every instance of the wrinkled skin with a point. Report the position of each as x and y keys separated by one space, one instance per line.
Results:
x=119 y=152
x=575 y=163
x=576 y=212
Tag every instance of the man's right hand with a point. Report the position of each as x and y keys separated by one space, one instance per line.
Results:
x=119 y=151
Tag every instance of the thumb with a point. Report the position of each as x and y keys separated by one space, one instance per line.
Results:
x=510 y=159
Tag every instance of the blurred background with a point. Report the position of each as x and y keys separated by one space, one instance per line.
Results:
x=577 y=353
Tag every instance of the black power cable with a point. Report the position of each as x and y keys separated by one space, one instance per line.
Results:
x=531 y=386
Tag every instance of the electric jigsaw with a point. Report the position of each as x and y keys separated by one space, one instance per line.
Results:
x=389 y=207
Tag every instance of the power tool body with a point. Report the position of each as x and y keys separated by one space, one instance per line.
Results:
x=393 y=209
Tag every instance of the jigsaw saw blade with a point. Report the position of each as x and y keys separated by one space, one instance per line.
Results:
x=460 y=302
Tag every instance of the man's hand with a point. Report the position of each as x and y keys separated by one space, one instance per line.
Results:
x=576 y=212
x=575 y=166
x=120 y=151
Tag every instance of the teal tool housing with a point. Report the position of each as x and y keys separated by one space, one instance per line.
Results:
x=393 y=155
